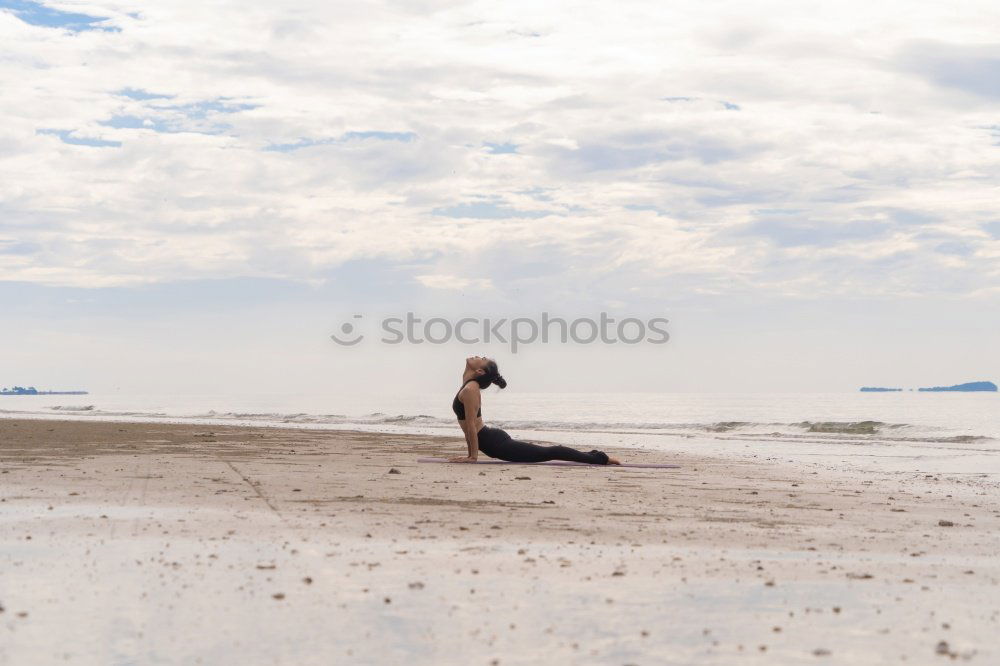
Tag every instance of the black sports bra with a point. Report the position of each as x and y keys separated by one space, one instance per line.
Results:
x=459 y=408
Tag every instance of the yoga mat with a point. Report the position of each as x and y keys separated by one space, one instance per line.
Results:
x=561 y=463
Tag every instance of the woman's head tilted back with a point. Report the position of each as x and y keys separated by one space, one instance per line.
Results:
x=486 y=371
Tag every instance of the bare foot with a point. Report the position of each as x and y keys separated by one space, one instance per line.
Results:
x=614 y=461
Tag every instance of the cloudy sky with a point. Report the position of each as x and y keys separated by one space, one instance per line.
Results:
x=808 y=191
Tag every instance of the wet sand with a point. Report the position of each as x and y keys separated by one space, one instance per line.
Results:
x=164 y=543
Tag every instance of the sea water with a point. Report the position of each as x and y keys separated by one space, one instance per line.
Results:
x=906 y=431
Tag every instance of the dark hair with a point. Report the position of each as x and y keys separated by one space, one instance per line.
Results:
x=492 y=376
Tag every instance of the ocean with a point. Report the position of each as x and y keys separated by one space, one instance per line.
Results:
x=929 y=433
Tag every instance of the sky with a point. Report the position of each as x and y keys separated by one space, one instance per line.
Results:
x=195 y=195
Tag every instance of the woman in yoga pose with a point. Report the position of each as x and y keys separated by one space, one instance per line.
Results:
x=479 y=373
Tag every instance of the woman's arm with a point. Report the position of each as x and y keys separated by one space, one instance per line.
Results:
x=471 y=441
x=471 y=436
x=470 y=399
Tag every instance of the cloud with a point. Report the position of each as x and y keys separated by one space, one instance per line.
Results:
x=70 y=137
x=797 y=232
x=972 y=68
x=8 y=246
x=347 y=136
x=728 y=106
x=691 y=139
x=705 y=153
x=202 y=117
x=141 y=95
x=454 y=282
x=954 y=247
x=500 y=148
x=486 y=210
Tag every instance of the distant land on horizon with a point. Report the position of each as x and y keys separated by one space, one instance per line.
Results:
x=967 y=387
x=31 y=390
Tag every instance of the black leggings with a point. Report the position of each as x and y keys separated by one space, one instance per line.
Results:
x=496 y=443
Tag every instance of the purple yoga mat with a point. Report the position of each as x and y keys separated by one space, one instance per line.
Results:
x=566 y=463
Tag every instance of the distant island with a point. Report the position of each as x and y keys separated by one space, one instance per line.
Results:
x=967 y=388
x=31 y=390
x=970 y=386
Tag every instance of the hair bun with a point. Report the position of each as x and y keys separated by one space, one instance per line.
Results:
x=500 y=381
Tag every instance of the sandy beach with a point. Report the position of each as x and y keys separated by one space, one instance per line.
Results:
x=142 y=543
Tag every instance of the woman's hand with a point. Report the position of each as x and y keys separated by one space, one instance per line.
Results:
x=462 y=459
